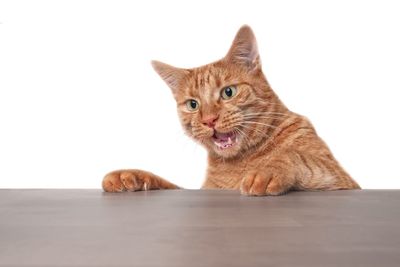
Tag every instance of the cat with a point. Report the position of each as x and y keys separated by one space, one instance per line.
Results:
x=255 y=144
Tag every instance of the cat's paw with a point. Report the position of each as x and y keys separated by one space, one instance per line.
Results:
x=261 y=184
x=126 y=180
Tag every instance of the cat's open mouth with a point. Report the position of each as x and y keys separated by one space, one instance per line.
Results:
x=224 y=140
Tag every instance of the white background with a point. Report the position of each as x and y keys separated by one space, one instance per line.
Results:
x=78 y=97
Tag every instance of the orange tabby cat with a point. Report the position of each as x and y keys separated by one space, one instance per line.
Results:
x=254 y=142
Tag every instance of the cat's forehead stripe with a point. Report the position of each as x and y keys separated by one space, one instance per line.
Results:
x=206 y=81
x=206 y=77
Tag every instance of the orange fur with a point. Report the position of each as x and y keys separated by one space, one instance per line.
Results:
x=255 y=143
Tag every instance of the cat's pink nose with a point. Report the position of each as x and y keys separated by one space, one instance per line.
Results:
x=210 y=120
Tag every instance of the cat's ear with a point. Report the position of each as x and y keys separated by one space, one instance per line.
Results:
x=171 y=75
x=244 y=49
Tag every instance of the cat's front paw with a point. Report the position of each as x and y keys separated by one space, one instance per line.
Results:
x=261 y=184
x=126 y=180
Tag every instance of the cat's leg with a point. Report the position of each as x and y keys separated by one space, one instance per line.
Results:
x=134 y=180
x=296 y=170
x=276 y=176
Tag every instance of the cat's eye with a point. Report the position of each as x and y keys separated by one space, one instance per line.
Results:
x=228 y=92
x=192 y=105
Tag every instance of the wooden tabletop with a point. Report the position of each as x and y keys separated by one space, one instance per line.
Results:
x=199 y=228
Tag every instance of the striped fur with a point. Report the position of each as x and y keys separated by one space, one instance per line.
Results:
x=276 y=150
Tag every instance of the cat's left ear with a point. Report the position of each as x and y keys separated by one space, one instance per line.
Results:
x=171 y=75
x=244 y=49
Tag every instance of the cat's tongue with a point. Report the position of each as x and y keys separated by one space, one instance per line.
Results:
x=224 y=140
x=223 y=136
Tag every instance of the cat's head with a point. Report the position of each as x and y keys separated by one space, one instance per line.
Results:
x=227 y=105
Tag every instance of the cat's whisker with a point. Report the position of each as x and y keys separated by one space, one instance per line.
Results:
x=260 y=123
x=246 y=139
x=257 y=131
x=264 y=117
x=244 y=135
x=253 y=129
x=268 y=113
x=265 y=111
x=273 y=104
x=247 y=118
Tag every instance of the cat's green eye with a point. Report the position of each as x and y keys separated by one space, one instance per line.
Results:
x=192 y=105
x=228 y=92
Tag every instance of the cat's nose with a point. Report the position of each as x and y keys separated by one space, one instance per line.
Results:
x=210 y=120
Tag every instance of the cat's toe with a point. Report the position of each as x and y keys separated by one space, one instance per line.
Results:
x=276 y=187
x=254 y=185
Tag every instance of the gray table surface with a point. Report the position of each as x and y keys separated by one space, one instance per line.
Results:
x=199 y=228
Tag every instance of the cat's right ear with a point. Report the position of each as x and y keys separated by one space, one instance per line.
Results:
x=171 y=75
